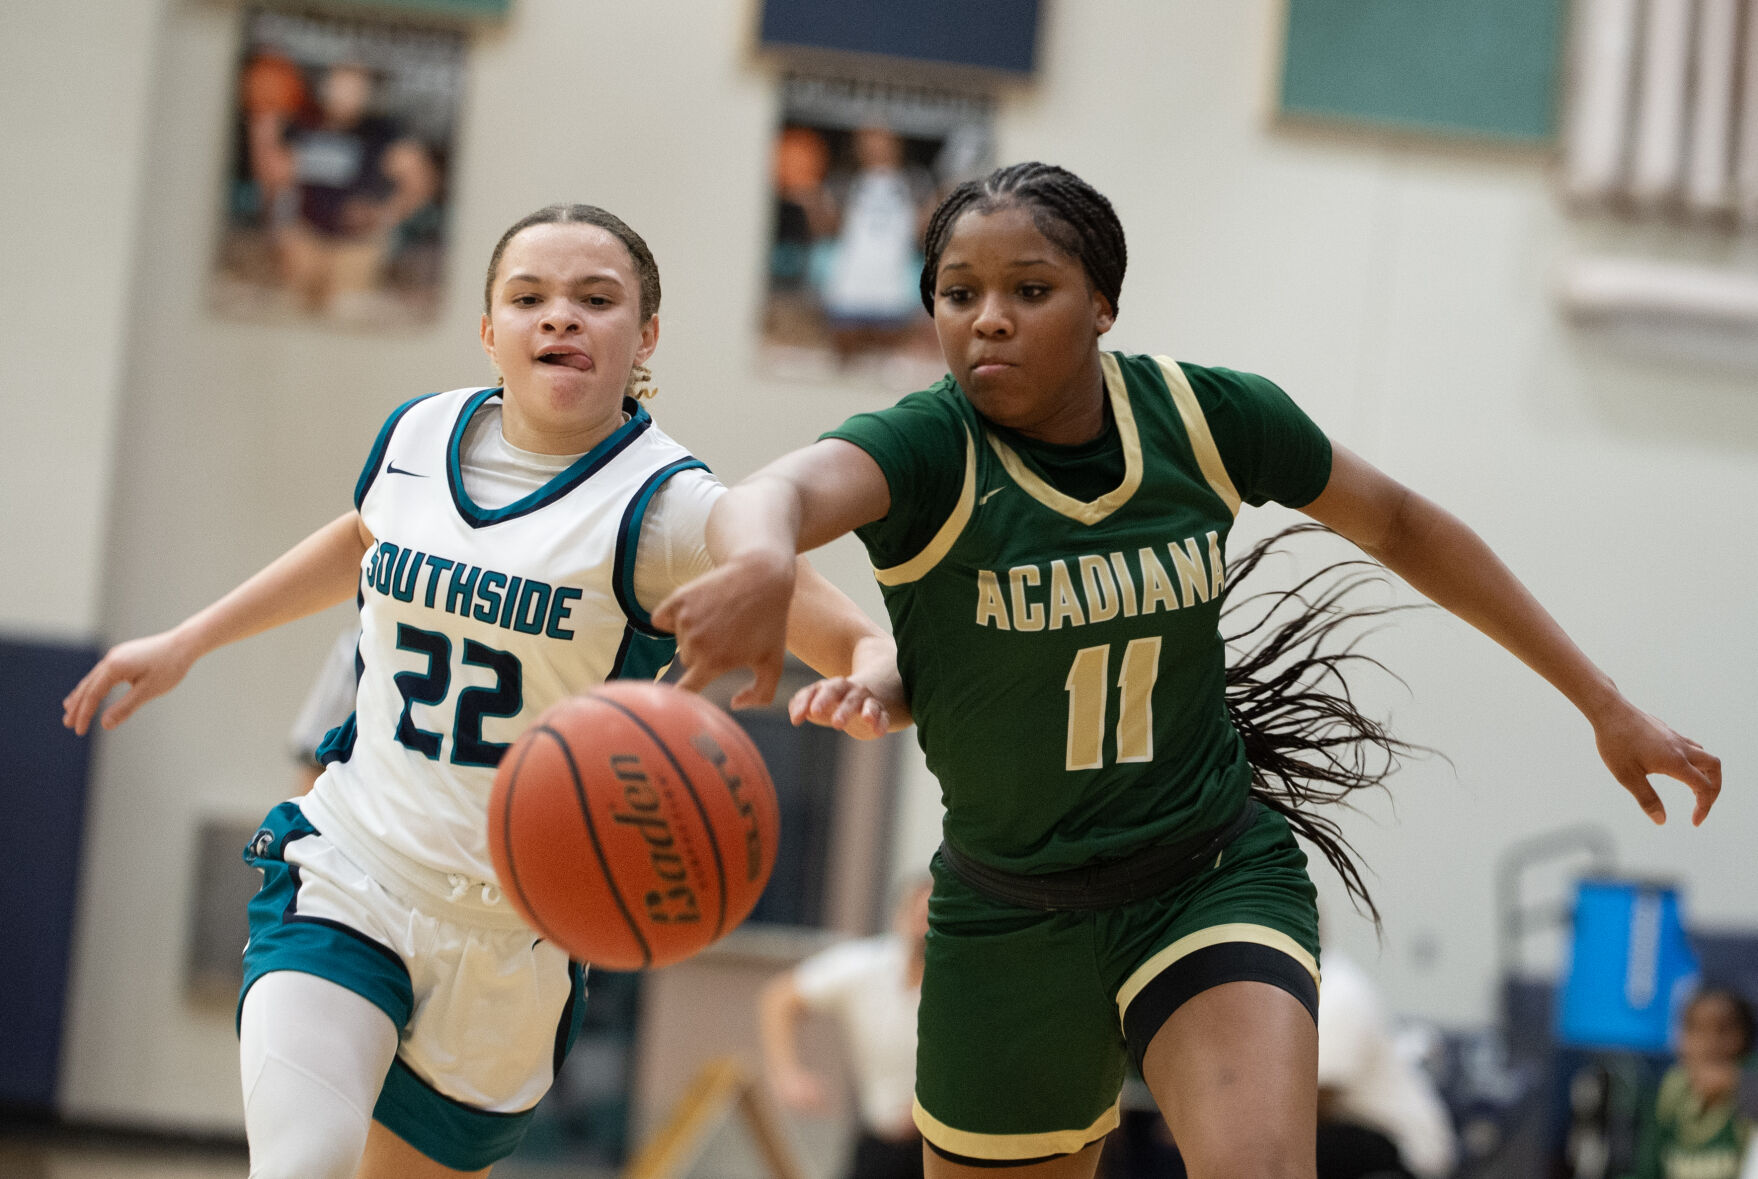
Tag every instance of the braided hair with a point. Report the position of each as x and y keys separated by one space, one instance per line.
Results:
x=1307 y=741
x=1066 y=209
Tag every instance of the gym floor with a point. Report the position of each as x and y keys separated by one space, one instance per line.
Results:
x=68 y=1154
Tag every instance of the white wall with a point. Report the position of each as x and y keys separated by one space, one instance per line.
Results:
x=1400 y=293
x=73 y=84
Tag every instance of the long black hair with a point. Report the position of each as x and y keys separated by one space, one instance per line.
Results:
x=1308 y=742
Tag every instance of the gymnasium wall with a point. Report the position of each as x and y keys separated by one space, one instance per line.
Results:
x=1399 y=289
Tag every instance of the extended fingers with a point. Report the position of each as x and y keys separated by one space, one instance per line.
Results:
x=1636 y=782
x=83 y=701
x=1704 y=779
x=761 y=691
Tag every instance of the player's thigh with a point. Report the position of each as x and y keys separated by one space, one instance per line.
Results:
x=1079 y=1165
x=1019 y=1055
x=389 y=1157
x=1235 y=1071
x=1219 y=987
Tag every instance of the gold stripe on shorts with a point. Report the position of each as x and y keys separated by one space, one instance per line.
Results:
x=1003 y=1147
x=1202 y=939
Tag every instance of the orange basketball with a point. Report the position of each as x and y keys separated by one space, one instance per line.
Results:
x=633 y=826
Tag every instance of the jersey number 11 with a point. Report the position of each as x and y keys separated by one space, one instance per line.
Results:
x=1089 y=700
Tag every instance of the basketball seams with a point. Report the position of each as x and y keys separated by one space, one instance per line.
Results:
x=511 y=884
x=610 y=879
x=708 y=828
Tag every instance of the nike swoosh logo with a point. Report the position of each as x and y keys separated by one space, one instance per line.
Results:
x=391 y=468
x=989 y=495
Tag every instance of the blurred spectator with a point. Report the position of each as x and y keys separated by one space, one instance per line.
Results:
x=875 y=216
x=1379 y=1114
x=336 y=183
x=1694 y=1130
x=871 y=987
x=328 y=704
x=802 y=159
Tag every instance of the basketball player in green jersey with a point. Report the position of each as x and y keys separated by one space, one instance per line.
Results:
x=1049 y=525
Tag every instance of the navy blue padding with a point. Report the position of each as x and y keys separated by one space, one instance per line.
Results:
x=43 y=770
x=989 y=34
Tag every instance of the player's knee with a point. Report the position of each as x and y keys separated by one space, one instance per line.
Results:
x=1264 y=1155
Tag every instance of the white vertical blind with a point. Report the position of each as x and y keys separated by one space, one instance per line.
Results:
x=1658 y=160
x=1603 y=53
x=1746 y=136
x=1714 y=100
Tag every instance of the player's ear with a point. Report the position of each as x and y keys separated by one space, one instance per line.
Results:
x=487 y=330
x=649 y=339
x=1103 y=315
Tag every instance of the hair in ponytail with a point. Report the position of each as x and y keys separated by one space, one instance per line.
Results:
x=1287 y=693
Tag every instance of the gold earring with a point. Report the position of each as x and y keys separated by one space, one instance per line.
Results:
x=641 y=384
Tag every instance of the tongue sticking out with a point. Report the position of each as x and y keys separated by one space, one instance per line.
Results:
x=573 y=360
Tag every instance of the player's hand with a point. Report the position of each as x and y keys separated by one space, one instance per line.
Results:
x=801 y=1091
x=734 y=616
x=841 y=703
x=1634 y=745
x=150 y=667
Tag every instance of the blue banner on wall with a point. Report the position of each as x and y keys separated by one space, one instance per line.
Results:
x=1630 y=967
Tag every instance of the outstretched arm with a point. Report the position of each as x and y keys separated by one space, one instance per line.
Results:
x=780 y=1007
x=318 y=572
x=862 y=692
x=738 y=614
x=1439 y=555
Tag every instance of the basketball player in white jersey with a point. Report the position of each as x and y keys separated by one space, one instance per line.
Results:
x=506 y=545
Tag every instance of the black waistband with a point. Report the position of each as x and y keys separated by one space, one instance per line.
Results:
x=1147 y=873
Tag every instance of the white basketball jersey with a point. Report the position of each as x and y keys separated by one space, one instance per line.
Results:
x=474 y=621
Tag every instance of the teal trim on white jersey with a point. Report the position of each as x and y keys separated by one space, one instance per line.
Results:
x=577 y=472
x=474 y=622
x=377 y=454
x=628 y=541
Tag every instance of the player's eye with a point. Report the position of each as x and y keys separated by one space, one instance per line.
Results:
x=1033 y=290
x=954 y=295
x=524 y=300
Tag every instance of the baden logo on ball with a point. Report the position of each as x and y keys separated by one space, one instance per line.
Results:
x=633 y=826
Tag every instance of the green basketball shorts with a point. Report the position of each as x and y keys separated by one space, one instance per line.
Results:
x=1028 y=1019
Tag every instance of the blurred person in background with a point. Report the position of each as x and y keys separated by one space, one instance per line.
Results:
x=871 y=987
x=1379 y=1114
x=328 y=704
x=1694 y=1130
x=342 y=179
x=874 y=218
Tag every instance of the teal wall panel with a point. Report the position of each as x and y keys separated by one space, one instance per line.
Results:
x=1476 y=67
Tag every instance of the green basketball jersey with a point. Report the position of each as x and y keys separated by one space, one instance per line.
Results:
x=1061 y=655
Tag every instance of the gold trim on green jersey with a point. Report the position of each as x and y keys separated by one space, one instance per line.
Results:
x=917 y=566
x=1067 y=505
x=1196 y=426
x=1202 y=939
x=1006 y=1147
